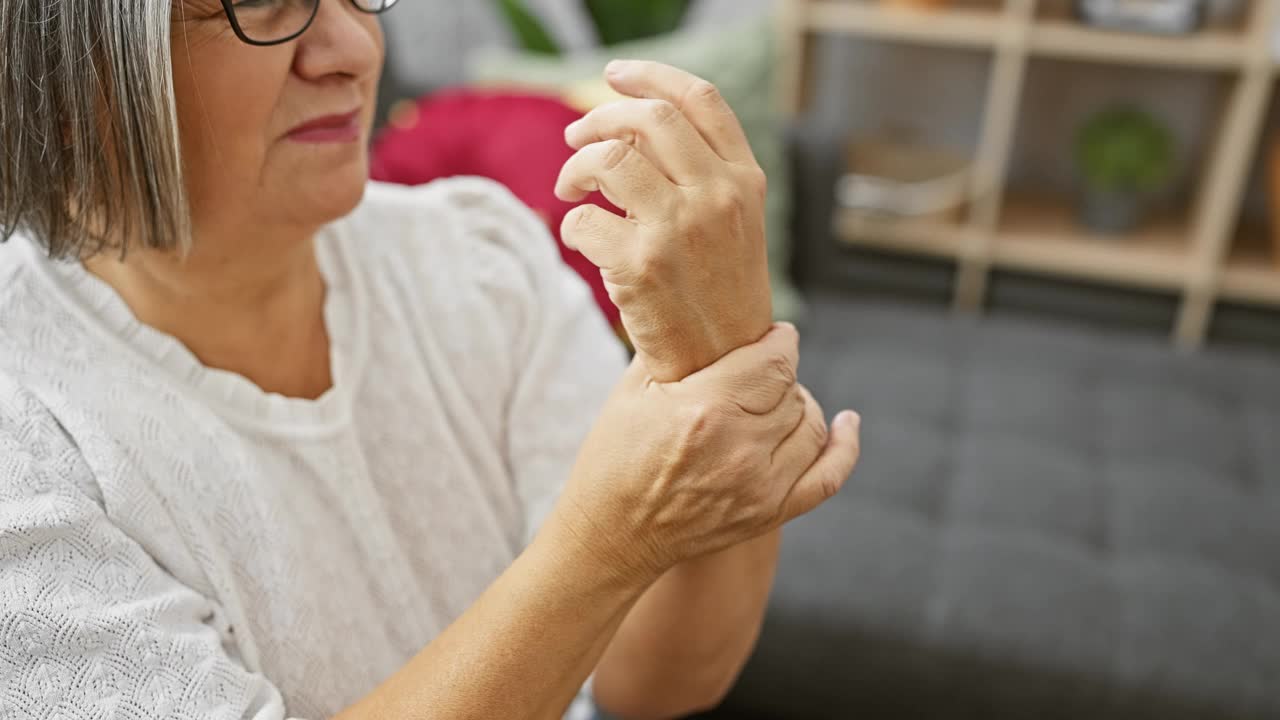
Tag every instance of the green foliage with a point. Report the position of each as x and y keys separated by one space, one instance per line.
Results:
x=620 y=21
x=1125 y=150
x=529 y=30
x=616 y=21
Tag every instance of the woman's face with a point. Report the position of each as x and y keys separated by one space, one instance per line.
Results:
x=274 y=137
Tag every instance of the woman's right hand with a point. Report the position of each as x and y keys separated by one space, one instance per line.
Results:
x=675 y=471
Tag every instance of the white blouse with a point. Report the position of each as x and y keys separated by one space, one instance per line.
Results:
x=174 y=542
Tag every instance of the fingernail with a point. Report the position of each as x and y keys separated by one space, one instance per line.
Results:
x=847 y=420
x=616 y=68
x=788 y=326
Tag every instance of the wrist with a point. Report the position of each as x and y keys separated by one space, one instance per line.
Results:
x=597 y=556
x=672 y=361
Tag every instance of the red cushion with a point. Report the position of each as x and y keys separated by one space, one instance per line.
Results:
x=515 y=139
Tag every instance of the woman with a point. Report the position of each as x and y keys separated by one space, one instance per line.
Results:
x=277 y=444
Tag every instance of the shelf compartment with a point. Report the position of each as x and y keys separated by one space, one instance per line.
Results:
x=932 y=238
x=959 y=27
x=1212 y=49
x=1042 y=236
x=1252 y=272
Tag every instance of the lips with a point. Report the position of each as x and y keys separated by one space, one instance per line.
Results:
x=328 y=128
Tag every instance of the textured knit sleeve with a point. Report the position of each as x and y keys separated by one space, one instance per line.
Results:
x=568 y=359
x=90 y=625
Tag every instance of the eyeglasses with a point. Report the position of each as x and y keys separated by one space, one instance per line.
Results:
x=271 y=22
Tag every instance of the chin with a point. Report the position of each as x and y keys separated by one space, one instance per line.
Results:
x=336 y=194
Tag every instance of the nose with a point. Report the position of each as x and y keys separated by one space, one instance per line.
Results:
x=342 y=42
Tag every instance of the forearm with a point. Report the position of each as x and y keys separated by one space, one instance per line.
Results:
x=521 y=651
x=684 y=643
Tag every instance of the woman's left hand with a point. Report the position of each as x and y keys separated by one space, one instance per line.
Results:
x=688 y=266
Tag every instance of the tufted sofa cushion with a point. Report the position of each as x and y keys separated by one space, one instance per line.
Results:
x=1048 y=522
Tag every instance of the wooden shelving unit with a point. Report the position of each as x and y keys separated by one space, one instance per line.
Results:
x=962 y=28
x=1252 y=272
x=1041 y=236
x=1208 y=49
x=1192 y=255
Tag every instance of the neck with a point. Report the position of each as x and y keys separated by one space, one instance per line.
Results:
x=252 y=308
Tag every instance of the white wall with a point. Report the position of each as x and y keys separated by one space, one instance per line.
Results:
x=429 y=39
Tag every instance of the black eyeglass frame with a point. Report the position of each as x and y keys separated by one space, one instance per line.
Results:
x=230 y=10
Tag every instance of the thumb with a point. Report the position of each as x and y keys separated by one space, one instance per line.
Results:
x=829 y=472
x=757 y=376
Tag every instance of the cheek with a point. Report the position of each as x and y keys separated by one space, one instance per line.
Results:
x=379 y=39
x=225 y=100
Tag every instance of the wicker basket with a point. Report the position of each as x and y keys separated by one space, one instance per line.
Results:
x=891 y=180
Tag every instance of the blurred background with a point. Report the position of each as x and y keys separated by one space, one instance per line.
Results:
x=1035 y=243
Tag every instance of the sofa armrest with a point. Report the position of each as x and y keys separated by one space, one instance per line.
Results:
x=817 y=161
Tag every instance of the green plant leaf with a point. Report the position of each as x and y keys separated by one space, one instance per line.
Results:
x=530 y=31
x=620 y=21
x=1125 y=150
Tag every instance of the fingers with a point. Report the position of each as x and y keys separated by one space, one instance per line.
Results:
x=608 y=241
x=655 y=127
x=698 y=99
x=770 y=428
x=758 y=376
x=625 y=176
x=804 y=438
x=833 y=467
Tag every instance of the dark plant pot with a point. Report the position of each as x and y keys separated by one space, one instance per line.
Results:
x=1111 y=212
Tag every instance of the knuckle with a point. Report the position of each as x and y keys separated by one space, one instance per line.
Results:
x=704 y=91
x=580 y=218
x=799 y=405
x=799 y=397
x=727 y=202
x=741 y=463
x=817 y=429
x=758 y=181
x=615 y=153
x=653 y=264
x=701 y=419
x=780 y=367
x=661 y=112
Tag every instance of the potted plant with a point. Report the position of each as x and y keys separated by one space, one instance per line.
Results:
x=615 y=21
x=1125 y=155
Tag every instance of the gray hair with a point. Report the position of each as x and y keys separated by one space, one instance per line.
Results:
x=89 y=146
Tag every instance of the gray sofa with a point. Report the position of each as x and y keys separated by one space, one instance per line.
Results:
x=1049 y=521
